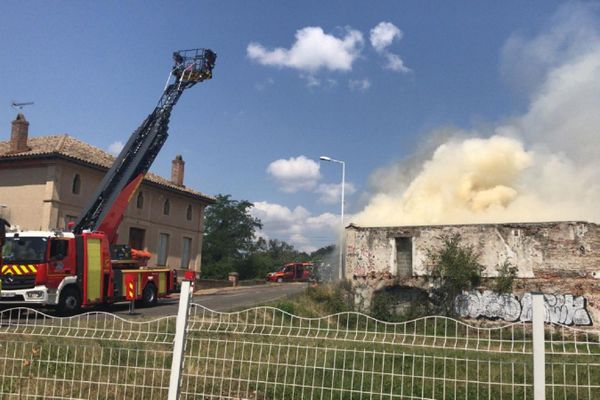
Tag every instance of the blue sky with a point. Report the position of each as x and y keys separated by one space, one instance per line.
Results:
x=96 y=69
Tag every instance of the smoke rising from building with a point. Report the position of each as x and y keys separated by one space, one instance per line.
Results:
x=539 y=166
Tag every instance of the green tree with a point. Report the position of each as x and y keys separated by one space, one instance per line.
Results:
x=282 y=252
x=324 y=253
x=255 y=265
x=454 y=267
x=268 y=256
x=231 y=244
x=229 y=236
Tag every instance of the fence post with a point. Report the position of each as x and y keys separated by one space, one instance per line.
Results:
x=187 y=290
x=539 y=351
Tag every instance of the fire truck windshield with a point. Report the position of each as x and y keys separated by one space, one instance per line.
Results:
x=24 y=250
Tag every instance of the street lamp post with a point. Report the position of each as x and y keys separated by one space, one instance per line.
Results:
x=341 y=251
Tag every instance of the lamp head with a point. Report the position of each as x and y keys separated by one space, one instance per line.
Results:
x=324 y=158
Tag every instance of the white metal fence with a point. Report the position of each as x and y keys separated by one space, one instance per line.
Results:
x=91 y=356
x=265 y=353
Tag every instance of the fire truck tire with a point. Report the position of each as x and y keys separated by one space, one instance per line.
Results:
x=69 y=302
x=279 y=280
x=149 y=295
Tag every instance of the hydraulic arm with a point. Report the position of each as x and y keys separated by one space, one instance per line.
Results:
x=105 y=211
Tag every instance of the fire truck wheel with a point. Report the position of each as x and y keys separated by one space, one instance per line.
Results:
x=149 y=297
x=69 y=302
x=279 y=280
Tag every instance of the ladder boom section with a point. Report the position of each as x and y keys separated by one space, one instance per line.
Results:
x=107 y=206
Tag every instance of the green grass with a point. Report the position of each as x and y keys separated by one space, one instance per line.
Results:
x=317 y=301
x=42 y=367
x=296 y=367
x=268 y=354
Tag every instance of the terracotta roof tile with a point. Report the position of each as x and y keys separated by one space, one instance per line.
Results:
x=69 y=147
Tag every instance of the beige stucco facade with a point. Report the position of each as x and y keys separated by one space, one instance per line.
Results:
x=38 y=194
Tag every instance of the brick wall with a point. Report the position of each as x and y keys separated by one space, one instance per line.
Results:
x=19 y=134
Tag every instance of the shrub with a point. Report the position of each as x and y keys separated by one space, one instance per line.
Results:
x=317 y=301
x=334 y=298
x=380 y=306
x=454 y=268
x=506 y=276
x=286 y=305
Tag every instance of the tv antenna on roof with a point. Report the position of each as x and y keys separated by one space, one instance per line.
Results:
x=19 y=106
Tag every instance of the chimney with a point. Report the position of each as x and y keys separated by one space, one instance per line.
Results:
x=177 y=168
x=18 y=135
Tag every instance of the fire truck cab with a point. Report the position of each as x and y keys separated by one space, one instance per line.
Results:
x=30 y=260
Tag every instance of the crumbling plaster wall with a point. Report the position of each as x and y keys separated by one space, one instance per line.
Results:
x=550 y=251
x=566 y=248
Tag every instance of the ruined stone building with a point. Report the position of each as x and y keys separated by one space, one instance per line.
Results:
x=556 y=258
x=46 y=181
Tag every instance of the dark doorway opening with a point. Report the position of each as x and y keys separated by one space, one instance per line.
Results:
x=404 y=256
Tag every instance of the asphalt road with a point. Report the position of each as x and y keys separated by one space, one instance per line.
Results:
x=222 y=300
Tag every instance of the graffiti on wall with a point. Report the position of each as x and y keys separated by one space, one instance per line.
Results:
x=563 y=309
x=488 y=304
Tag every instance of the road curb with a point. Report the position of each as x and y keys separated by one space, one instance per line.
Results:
x=235 y=288
x=227 y=289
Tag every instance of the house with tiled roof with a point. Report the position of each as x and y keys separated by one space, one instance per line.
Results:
x=46 y=181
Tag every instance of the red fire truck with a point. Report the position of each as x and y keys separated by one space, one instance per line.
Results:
x=77 y=269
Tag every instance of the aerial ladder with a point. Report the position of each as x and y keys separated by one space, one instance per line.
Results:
x=74 y=269
x=106 y=208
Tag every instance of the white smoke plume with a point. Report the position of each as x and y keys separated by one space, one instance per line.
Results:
x=540 y=166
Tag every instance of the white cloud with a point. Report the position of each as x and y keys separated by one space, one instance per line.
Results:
x=395 y=63
x=331 y=193
x=278 y=216
x=313 y=50
x=116 y=147
x=361 y=85
x=295 y=173
x=381 y=38
x=329 y=220
x=384 y=34
x=296 y=226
